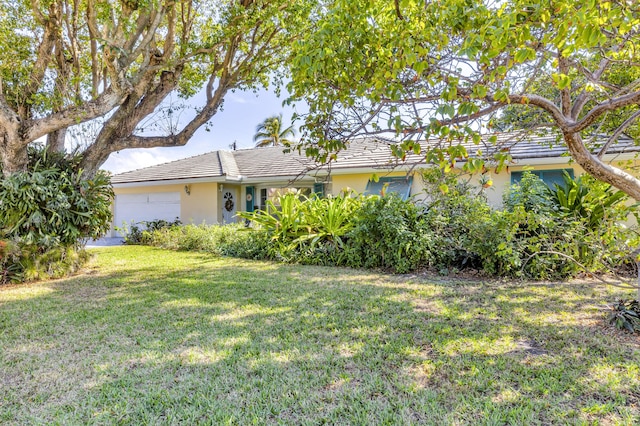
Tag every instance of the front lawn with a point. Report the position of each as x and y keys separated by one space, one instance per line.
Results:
x=147 y=336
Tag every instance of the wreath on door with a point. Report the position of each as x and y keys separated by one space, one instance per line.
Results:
x=228 y=202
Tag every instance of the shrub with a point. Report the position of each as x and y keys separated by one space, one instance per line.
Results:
x=54 y=203
x=140 y=233
x=306 y=230
x=531 y=193
x=573 y=226
x=219 y=240
x=48 y=213
x=625 y=315
x=388 y=233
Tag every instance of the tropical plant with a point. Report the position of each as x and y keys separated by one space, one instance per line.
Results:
x=390 y=233
x=298 y=224
x=530 y=192
x=46 y=215
x=54 y=203
x=271 y=133
x=625 y=315
x=584 y=197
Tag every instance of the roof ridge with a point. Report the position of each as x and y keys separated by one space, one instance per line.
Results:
x=228 y=163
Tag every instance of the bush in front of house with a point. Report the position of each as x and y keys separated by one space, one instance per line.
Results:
x=219 y=240
x=568 y=229
x=47 y=213
x=141 y=232
x=534 y=236
x=308 y=230
x=389 y=233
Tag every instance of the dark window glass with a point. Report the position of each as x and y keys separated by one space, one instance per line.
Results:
x=399 y=185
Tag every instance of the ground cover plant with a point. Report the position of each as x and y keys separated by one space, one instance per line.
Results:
x=151 y=336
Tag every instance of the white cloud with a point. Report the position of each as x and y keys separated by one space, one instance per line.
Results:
x=127 y=160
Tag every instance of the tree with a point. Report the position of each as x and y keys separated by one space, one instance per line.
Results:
x=67 y=62
x=270 y=132
x=446 y=70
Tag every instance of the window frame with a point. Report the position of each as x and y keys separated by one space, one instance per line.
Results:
x=516 y=176
x=389 y=180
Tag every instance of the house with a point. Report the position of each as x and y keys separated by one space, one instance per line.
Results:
x=210 y=188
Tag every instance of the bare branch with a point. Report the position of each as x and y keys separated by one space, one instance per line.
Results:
x=601 y=108
x=104 y=103
x=619 y=131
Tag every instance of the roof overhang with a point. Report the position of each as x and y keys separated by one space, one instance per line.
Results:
x=170 y=182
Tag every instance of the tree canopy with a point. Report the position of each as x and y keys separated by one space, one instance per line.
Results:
x=270 y=132
x=447 y=70
x=68 y=62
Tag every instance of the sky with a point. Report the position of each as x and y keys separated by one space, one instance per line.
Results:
x=237 y=121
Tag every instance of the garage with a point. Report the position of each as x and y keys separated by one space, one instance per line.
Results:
x=136 y=208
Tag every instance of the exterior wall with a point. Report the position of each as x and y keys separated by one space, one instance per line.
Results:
x=358 y=182
x=200 y=206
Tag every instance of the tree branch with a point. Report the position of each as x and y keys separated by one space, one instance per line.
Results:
x=104 y=103
x=598 y=110
x=619 y=131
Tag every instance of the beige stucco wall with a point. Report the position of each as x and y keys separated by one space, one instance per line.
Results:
x=200 y=206
x=358 y=182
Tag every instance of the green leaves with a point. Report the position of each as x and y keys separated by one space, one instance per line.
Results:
x=563 y=81
x=454 y=63
x=295 y=222
x=625 y=315
x=53 y=203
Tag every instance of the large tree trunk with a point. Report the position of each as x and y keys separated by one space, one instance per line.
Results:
x=622 y=180
x=13 y=155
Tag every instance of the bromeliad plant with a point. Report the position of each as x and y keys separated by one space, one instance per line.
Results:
x=54 y=203
x=294 y=221
x=589 y=199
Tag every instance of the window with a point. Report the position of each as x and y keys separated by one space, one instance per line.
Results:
x=272 y=194
x=400 y=185
x=263 y=198
x=319 y=189
x=550 y=177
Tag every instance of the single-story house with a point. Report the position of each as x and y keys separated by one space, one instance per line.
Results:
x=210 y=188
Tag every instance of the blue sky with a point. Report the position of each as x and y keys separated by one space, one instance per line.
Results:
x=237 y=121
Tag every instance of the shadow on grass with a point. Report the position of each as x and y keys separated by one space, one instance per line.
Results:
x=160 y=337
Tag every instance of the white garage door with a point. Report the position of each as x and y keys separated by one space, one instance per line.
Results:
x=135 y=208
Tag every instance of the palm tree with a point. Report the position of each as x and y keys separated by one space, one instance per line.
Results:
x=270 y=132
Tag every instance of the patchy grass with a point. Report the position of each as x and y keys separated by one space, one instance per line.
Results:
x=147 y=336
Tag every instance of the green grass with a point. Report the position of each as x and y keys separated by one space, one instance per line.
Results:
x=147 y=336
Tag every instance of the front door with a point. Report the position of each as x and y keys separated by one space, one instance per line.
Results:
x=228 y=206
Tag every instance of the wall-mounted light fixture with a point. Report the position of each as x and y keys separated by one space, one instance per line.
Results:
x=187 y=189
x=221 y=187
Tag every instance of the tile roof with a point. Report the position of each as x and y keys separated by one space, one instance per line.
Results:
x=272 y=162
x=204 y=165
